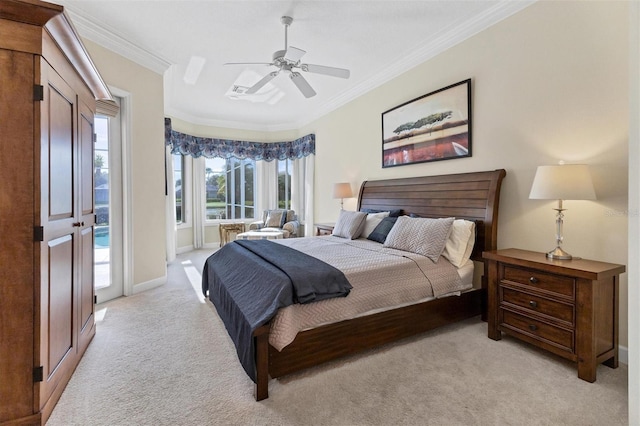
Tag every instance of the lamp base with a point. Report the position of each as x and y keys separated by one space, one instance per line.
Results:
x=558 y=253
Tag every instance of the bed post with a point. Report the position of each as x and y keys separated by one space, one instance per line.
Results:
x=262 y=362
x=491 y=232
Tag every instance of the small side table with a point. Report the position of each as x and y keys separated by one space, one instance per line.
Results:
x=568 y=307
x=226 y=228
x=324 y=228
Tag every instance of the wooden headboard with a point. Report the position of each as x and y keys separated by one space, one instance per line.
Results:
x=472 y=196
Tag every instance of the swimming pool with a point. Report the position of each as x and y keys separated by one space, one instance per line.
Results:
x=101 y=239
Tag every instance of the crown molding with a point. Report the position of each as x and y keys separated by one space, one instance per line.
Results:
x=445 y=41
x=107 y=37
x=229 y=124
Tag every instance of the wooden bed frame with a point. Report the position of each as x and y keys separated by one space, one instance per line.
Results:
x=473 y=196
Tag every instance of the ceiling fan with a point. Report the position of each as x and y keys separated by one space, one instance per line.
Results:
x=289 y=60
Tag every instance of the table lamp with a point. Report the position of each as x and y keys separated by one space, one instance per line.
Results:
x=342 y=190
x=562 y=182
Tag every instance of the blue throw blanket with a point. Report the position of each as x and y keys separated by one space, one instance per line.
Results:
x=249 y=280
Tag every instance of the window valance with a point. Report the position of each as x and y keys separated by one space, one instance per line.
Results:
x=196 y=146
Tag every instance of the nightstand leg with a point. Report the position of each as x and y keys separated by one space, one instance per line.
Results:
x=586 y=344
x=587 y=369
x=491 y=272
x=612 y=362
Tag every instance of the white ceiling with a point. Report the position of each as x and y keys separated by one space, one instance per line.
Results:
x=376 y=40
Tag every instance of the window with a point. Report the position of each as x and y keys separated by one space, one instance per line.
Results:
x=179 y=181
x=285 y=168
x=215 y=188
x=101 y=244
x=229 y=188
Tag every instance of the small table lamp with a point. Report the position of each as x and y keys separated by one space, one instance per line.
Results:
x=342 y=191
x=562 y=182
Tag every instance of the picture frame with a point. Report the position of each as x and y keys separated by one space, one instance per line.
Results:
x=433 y=127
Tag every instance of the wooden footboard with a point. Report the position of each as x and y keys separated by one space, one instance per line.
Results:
x=319 y=345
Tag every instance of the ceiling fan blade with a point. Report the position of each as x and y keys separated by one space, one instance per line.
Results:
x=293 y=54
x=249 y=63
x=267 y=78
x=321 y=69
x=302 y=84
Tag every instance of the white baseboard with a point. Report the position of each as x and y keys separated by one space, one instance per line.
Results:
x=185 y=249
x=623 y=355
x=148 y=285
x=208 y=246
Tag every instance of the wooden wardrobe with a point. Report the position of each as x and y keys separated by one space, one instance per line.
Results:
x=48 y=92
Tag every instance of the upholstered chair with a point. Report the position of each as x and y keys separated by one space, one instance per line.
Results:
x=282 y=220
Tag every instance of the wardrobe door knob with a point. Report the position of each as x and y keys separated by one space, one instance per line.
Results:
x=533 y=304
x=533 y=280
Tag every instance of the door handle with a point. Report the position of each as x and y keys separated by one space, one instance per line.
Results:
x=78 y=224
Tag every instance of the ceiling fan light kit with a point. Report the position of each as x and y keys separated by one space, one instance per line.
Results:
x=288 y=60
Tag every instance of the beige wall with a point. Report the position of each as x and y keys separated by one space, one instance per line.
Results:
x=147 y=159
x=549 y=83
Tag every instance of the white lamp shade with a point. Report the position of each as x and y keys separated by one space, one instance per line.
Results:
x=342 y=190
x=563 y=182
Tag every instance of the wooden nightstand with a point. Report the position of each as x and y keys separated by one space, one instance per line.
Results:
x=324 y=228
x=568 y=307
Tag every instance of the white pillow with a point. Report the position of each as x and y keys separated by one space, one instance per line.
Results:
x=372 y=220
x=349 y=224
x=420 y=235
x=460 y=242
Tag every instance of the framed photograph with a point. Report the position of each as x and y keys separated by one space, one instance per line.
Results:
x=433 y=127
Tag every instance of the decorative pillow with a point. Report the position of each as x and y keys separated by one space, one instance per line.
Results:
x=420 y=235
x=372 y=220
x=392 y=213
x=275 y=218
x=460 y=242
x=382 y=230
x=349 y=224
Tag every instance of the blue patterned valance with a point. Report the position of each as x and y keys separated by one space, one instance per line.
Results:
x=196 y=146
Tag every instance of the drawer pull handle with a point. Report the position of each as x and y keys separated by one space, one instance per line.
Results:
x=533 y=304
x=533 y=327
x=533 y=280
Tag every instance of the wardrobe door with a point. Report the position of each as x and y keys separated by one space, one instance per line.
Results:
x=58 y=215
x=86 y=324
x=17 y=219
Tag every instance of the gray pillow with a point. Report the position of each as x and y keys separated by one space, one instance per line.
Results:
x=275 y=218
x=420 y=235
x=349 y=224
x=382 y=230
x=370 y=223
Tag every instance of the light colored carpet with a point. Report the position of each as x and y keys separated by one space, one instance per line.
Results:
x=164 y=358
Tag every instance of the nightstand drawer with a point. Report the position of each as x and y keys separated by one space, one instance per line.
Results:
x=537 y=329
x=561 y=311
x=564 y=286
